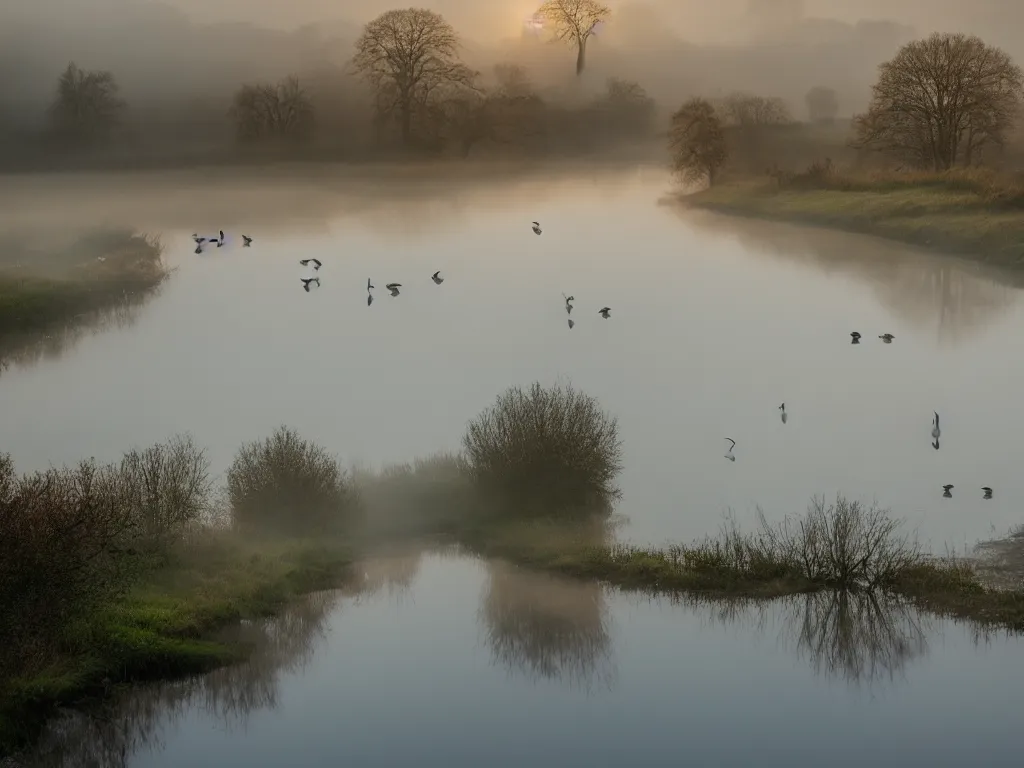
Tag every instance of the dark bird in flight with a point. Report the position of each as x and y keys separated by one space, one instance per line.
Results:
x=436 y=277
x=308 y=281
x=315 y=262
x=246 y=241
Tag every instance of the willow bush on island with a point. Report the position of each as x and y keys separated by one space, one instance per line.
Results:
x=545 y=452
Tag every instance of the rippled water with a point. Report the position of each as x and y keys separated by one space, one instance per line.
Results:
x=450 y=661
x=715 y=322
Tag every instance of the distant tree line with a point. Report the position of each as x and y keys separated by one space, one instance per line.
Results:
x=409 y=59
x=940 y=102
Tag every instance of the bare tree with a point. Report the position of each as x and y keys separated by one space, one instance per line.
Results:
x=407 y=56
x=574 y=22
x=822 y=104
x=626 y=109
x=748 y=111
x=697 y=141
x=265 y=111
x=86 y=107
x=940 y=101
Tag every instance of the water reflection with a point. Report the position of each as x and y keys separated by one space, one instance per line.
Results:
x=861 y=638
x=958 y=298
x=392 y=574
x=25 y=349
x=110 y=736
x=547 y=628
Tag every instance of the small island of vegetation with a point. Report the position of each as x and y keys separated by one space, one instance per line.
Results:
x=138 y=562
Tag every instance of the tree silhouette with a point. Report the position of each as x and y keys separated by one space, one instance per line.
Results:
x=264 y=111
x=822 y=104
x=86 y=107
x=410 y=57
x=940 y=101
x=574 y=22
x=697 y=141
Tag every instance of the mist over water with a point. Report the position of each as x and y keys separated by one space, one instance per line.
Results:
x=467 y=663
x=715 y=322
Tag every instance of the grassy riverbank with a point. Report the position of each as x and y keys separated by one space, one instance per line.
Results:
x=117 y=573
x=43 y=287
x=972 y=214
x=166 y=625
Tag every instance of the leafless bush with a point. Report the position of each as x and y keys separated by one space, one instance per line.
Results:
x=169 y=487
x=547 y=451
x=66 y=545
x=286 y=484
x=844 y=544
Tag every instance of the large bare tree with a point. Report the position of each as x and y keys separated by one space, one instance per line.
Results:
x=574 y=21
x=941 y=101
x=697 y=141
x=86 y=106
x=408 y=56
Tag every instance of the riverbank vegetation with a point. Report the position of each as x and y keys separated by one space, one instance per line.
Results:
x=140 y=561
x=47 y=287
x=944 y=174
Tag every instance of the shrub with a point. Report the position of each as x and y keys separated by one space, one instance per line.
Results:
x=844 y=544
x=285 y=484
x=66 y=545
x=545 y=451
x=169 y=488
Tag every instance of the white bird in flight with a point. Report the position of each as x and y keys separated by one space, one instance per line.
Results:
x=728 y=453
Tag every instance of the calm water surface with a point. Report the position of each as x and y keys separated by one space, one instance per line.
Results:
x=715 y=322
x=449 y=661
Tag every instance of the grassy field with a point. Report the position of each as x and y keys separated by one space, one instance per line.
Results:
x=164 y=628
x=971 y=214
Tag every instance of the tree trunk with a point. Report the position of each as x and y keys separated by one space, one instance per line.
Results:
x=581 y=57
x=406 y=117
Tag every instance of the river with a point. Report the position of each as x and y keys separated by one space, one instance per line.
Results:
x=444 y=660
x=715 y=322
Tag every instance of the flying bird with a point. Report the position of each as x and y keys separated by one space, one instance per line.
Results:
x=946 y=491
x=246 y=241
x=369 y=299
x=393 y=287
x=536 y=227
x=605 y=312
x=887 y=338
x=728 y=453
x=855 y=338
x=568 y=302
x=315 y=262
x=571 y=324
x=988 y=492
x=436 y=277
x=369 y=286
x=307 y=281
x=783 y=409
x=197 y=238
x=935 y=445
x=936 y=432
